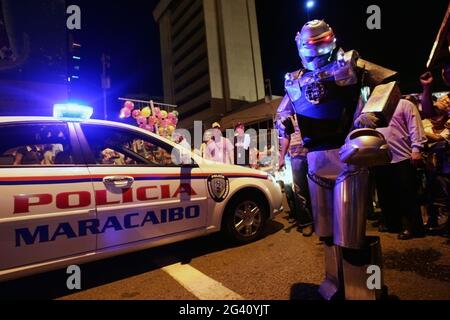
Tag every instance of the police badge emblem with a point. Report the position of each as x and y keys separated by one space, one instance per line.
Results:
x=218 y=187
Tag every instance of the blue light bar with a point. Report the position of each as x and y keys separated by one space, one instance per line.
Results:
x=72 y=111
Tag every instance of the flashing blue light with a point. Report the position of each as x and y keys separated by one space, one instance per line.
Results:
x=72 y=111
x=310 y=4
x=76 y=58
x=75 y=77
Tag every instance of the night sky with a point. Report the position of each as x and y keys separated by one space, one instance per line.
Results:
x=404 y=43
x=126 y=30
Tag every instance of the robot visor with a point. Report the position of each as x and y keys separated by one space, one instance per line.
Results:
x=317 y=50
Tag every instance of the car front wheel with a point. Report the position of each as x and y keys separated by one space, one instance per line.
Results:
x=244 y=219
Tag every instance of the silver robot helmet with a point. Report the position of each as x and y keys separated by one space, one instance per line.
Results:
x=316 y=43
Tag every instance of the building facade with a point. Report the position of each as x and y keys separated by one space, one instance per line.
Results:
x=211 y=57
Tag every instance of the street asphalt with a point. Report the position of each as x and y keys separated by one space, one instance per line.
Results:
x=283 y=265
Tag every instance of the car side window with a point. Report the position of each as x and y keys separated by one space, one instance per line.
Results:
x=119 y=147
x=35 y=145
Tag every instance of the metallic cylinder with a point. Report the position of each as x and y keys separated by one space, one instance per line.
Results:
x=324 y=168
x=350 y=208
x=355 y=267
x=322 y=205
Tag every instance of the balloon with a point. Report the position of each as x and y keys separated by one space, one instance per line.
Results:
x=129 y=105
x=171 y=122
x=152 y=120
x=164 y=123
x=146 y=112
x=136 y=114
x=141 y=120
x=175 y=113
x=148 y=128
x=125 y=113
x=157 y=111
x=163 y=114
x=161 y=131
x=170 y=129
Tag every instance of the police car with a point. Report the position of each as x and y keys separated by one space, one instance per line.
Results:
x=78 y=190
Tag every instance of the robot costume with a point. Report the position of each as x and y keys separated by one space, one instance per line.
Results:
x=338 y=100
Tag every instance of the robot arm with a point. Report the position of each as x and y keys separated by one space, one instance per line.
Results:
x=374 y=74
x=379 y=97
x=282 y=121
x=284 y=112
x=366 y=147
x=380 y=107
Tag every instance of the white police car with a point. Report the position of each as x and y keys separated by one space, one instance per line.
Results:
x=74 y=191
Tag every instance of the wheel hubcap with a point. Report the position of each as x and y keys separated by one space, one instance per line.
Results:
x=247 y=219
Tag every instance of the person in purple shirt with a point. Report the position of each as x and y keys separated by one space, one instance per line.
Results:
x=397 y=183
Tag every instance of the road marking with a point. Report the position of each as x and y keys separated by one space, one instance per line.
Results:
x=199 y=284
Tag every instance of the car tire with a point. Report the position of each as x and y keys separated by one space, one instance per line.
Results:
x=245 y=218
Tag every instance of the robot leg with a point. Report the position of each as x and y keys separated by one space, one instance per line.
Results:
x=350 y=208
x=322 y=172
x=361 y=255
x=322 y=206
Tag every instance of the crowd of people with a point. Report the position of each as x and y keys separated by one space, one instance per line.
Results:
x=418 y=177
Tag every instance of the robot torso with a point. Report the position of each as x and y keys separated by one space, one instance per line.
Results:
x=325 y=101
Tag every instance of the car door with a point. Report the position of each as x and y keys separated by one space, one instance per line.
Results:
x=46 y=195
x=140 y=193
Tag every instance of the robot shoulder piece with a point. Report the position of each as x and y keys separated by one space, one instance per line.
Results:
x=374 y=74
x=349 y=58
x=346 y=71
x=294 y=75
x=291 y=85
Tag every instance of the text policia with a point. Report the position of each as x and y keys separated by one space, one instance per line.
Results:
x=47 y=233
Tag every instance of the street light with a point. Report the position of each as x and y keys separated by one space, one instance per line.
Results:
x=309 y=6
